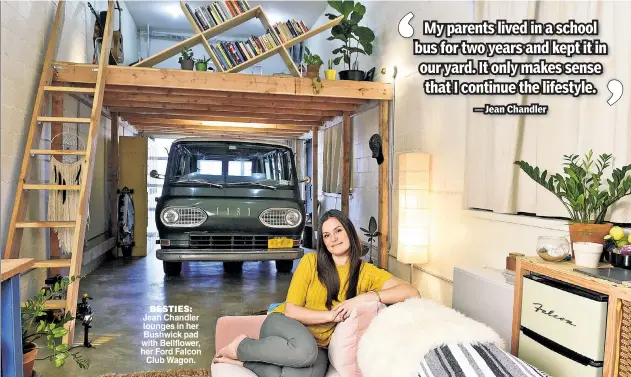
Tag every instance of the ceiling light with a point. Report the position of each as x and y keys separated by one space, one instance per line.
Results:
x=173 y=9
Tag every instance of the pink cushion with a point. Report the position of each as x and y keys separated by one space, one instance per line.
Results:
x=345 y=339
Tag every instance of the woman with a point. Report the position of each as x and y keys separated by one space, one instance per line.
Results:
x=326 y=286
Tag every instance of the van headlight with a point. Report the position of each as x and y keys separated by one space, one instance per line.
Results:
x=170 y=216
x=183 y=217
x=292 y=217
x=281 y=217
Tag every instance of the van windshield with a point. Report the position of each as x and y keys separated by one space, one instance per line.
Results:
x=222 y=164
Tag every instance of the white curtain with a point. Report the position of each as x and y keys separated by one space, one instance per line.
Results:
x=572 y=125
x=331 y=173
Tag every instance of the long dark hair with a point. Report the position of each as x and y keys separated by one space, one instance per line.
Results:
x=327 y=272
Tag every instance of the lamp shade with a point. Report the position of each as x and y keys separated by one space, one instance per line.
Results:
x=414 y=185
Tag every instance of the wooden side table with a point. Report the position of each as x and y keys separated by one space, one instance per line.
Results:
x=11 y=315
x=617 y=360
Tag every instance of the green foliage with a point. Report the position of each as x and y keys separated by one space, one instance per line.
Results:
x=202 y=60
x=371 y=232
x=35 y=325
x=350 y=32
x=581 y=190
x=312 y=59
x=330 y=63
x=186 y=54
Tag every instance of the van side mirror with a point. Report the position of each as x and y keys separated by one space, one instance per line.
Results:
x=154 y=174
x=307 y=180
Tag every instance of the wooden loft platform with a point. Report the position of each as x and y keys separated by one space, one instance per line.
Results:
x=172 y=102
x=180 y=102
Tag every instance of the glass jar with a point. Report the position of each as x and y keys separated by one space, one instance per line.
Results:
x=553 y=249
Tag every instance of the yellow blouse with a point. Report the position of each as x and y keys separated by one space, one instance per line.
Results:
x=307 y=291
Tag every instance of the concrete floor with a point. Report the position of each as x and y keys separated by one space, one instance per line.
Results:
x=123 y=291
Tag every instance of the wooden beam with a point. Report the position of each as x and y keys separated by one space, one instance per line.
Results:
x=203 y=114
x=180 y=127
x=161 y=93
x=220 y=106
x=346 y=161
x=384 y=218
x=14 y=235
x=113 y=174
x=189 y=122
x=314 y=183
x=224 y=82
x=214 y=135
x=198 y=120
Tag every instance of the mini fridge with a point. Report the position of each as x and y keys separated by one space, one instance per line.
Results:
x=562 y=328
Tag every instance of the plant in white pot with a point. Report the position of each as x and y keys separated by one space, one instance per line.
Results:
x=583 y=193
x=38 y=323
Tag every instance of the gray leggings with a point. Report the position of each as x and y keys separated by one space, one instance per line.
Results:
x=285 y=348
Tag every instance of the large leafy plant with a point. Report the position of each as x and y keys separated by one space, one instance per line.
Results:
x=581 y=190
x=356 y=39
x=37 y=323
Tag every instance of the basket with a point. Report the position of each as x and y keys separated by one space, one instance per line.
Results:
x=624 y=349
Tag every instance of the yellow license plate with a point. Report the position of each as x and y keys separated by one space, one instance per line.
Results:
x=280 y=243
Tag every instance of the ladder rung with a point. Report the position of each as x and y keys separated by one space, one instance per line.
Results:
x=52 y=263
x=63 y=120
x=46 y=224
x=58 y=152
x=50 y=187
x=69 y=89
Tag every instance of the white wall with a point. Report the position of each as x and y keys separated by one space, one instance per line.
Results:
x=269 y=66
x=25 y=31
x=435 y=125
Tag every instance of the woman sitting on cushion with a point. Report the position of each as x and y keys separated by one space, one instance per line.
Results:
x=326 y=286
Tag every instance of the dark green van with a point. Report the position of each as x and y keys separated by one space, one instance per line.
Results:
x=229 y=201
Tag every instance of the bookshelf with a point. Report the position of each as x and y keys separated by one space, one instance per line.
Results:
x=202 y=37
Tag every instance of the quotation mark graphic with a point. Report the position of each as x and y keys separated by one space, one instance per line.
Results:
x=615 y=87
x=405 y=30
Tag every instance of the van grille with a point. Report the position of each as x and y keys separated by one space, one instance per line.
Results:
x=208 y=241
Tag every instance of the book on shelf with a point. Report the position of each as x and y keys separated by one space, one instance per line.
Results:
x=234 y=53
x=289 y=30
x=218 y=12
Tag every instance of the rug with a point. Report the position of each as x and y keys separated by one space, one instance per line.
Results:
x=165 y=373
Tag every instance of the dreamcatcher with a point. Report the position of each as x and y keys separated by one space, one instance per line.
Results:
x=63 y=205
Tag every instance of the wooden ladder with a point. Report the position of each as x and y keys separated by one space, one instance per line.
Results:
x=18 y=224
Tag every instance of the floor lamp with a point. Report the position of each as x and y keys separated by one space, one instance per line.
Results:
x=413 y=227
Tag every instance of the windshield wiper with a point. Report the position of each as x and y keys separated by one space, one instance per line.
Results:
x=202 y=182
x=252 y=183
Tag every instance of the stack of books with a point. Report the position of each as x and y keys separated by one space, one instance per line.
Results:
x=290 y=29
x=216 y=13
x=232 y=54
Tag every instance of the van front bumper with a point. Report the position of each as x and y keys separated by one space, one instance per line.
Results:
x=230 y=255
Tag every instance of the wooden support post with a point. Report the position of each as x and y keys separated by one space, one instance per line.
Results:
x=519 y=287
x=314 y=182
x=113 y=166
x=56 y=128
x=346 y=161
x=384 y=219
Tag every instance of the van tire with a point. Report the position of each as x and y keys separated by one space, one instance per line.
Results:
x=284 y=266
x=233 y=267
x=172 y=268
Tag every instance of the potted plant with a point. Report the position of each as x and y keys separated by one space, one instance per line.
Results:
x=202 y=64
x=330 y=73
x=313 y=62
x=186 y=59
x=371 y=233
x=583 y=193
x=356 y=39
x=38 y=323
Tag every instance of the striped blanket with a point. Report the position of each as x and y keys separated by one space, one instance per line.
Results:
x=474 y=360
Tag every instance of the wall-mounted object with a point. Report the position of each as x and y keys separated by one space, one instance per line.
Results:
x=414 y=189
